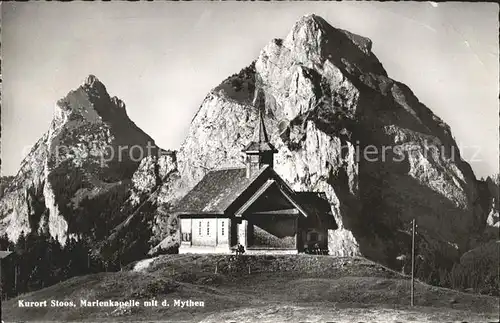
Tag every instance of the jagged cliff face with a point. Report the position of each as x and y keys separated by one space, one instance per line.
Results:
x=91 y=149
x=491 y=202
x=341 y=124
x=328 y=100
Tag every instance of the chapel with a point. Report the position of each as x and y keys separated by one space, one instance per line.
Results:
x=254 y=207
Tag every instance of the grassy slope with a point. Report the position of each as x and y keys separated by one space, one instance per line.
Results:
x=278 y=288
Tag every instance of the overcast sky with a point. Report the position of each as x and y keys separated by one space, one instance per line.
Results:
x=162 y=58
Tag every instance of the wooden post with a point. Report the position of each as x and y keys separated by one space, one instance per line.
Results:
x=216 y=231
x=191 y=233
x=16 y=270
x=413 y=263
x=1 y=290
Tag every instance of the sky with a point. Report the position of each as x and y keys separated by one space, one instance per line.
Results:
x=162 y=58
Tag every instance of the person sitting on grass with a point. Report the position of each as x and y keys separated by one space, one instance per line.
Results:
x=238 y=249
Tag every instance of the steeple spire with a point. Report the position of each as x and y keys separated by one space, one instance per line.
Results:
x=262 y=126
x=260 y=152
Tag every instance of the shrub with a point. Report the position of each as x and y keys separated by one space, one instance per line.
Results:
x=481 y=277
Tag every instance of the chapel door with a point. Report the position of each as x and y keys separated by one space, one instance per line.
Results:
x=233 y=236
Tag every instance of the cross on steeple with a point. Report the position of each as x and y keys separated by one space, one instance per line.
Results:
x=260 y=152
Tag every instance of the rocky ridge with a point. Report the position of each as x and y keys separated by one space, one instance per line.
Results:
x=326 y=98
x=76 y=161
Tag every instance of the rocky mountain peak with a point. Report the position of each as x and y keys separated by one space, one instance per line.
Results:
x=90 y=149
x=118 y=102
x=311 y=23
x=328 y=98
x=314 y=40
x=93 y=85
x=96 y=89
x=91 y=102
x=92 y=81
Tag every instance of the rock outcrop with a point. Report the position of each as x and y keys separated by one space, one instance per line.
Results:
x=341 y=124
x=344 y=127
x=91 y=150
x=491 y=201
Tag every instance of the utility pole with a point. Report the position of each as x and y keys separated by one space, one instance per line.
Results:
x=16 y=269
x=413 y=262
x=1 y=290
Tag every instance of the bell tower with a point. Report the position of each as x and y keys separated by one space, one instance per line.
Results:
x=260 y=152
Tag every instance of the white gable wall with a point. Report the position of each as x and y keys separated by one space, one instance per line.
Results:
x=223 y=231
x=209 y=231
x=204 y=232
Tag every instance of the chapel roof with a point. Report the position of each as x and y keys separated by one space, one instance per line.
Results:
x=4 y=253
x=257 y=147
x=217 y=190
x=317 y=206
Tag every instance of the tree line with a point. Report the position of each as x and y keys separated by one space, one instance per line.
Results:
x=39 y=260
x=478 y=276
